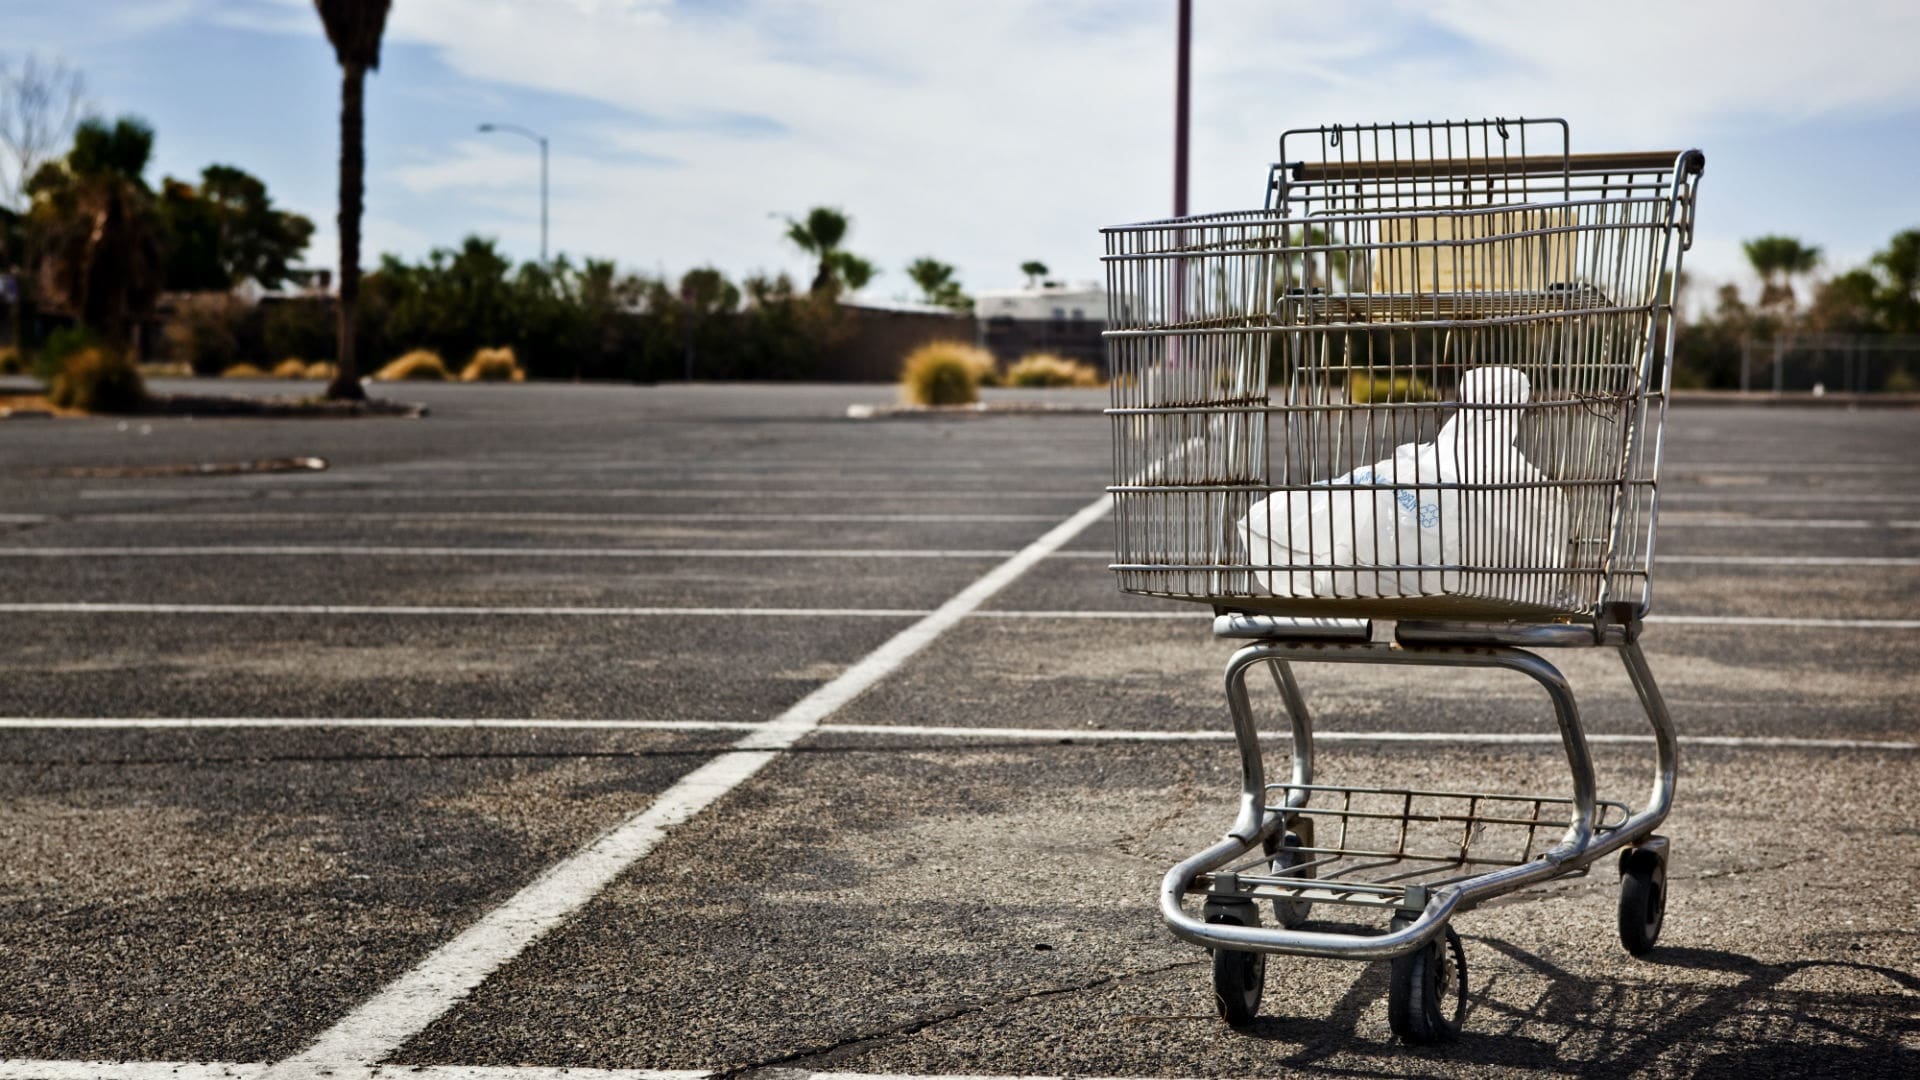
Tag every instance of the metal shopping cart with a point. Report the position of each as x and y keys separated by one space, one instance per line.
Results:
x=1409 y=412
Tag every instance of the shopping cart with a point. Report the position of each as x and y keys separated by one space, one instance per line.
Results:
x=1409 y=412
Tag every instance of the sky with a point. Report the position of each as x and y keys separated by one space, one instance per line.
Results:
x=983 y=133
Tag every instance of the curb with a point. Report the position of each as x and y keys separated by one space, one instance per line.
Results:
x=977 y=409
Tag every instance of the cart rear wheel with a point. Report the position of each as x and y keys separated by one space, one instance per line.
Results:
x=1643 y=899
x=1239 y=978
x=1427 y=998
x=1286 y=856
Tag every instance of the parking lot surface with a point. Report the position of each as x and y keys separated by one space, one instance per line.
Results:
x=661 y=731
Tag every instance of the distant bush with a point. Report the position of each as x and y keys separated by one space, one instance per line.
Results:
x=941 y=373
x=291 y=368
x=97 y=380
x=11 y=361
x=320 y=369
x=211 y=332
x=1900 y=382
x=1365 y=389
x=1046 y=369
x=243 y=371
x=493 y=365
x=299 y=327
x=420 y=365
x=166 y=369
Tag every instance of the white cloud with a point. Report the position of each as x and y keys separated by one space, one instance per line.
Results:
x=999 y=130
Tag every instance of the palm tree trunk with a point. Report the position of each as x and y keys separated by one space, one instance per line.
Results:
x=346 y=373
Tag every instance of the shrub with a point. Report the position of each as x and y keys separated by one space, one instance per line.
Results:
x=941 y=373
x=1046 y=369
x=1900 y=382
x=243 y=371
x=97 y=380
x=166 y=369
x=291 y=368
x=320 y=369
x=211 y=332
x=493 y=365
x=11 y=362
x=420 y=365
x=1364 y=389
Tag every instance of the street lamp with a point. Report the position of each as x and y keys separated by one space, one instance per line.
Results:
x=542 y=140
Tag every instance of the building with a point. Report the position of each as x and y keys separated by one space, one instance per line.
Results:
x=1056 y=317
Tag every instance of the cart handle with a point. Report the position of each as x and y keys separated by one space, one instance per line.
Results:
x=1418 y=169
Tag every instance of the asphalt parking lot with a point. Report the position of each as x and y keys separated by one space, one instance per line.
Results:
x=571 y=731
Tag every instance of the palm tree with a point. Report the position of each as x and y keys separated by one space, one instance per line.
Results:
x=1779 y=256
x=1899 y=298
x=937 y=286
x=354 y=27
x=96 y=231
x=1035 y=270
x=820 y=236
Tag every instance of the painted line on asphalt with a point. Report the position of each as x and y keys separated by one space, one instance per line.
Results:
x=405 y=1007
x=444 y=552
x=87 y=608
x=695 y=492
x=1020 y=734
x=24 y=1069
x=307 y=550
x=539 y=516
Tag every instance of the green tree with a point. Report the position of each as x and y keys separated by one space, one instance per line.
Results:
x=1778 y=259
x=1035 y=270
x=354 y=28
x=820 y=235
x=227 y=231
x=1898 y=298
x=95 y=230
x=937 y=286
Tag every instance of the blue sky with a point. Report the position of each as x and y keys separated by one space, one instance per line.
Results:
x=983 y=133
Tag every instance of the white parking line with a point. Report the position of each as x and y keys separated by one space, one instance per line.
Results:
x=1195 y=616
x=22 y=1069
x=306 y=550
x=275 y=517
x=1019 y=734
x=703 y=493
x=406 y=1006
x=443 y=552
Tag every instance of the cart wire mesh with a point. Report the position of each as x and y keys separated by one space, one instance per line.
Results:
x=1428 y=377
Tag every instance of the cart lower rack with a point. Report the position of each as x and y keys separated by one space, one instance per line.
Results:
x=1408 y=413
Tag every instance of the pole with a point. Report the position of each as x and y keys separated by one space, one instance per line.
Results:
x=1183 y=78
x=1746 y=363
x=1779 y=357
x=543 y=200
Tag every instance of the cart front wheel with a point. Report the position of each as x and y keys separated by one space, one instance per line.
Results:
x=1427 y=998
x=1287 y=856
x=1643 y=899
x=1239 y=978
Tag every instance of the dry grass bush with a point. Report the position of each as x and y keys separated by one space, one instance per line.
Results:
x=320 y=369
x=420 y=365
x=243 y=371
x=11 y=362
x=941 y=373
x=493 y=365
x=291 y=368
x=1046 y=369
x=98 y=380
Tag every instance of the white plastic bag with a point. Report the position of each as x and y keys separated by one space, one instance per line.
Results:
x=1342 y=531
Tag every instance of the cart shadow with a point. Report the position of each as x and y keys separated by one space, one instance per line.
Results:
x=1698 y=1012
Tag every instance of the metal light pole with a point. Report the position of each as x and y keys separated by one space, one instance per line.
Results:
x=1183 y=78
x=542 y=140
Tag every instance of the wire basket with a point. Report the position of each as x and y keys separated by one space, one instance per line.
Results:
x=1428 y=378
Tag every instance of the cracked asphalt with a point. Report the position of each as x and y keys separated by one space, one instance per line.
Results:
x=874 y=902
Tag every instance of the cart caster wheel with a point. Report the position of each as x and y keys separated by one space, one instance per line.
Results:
x=1427 y=998
x=1239 y=978
x=1643 y=899
x=1289 y=913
